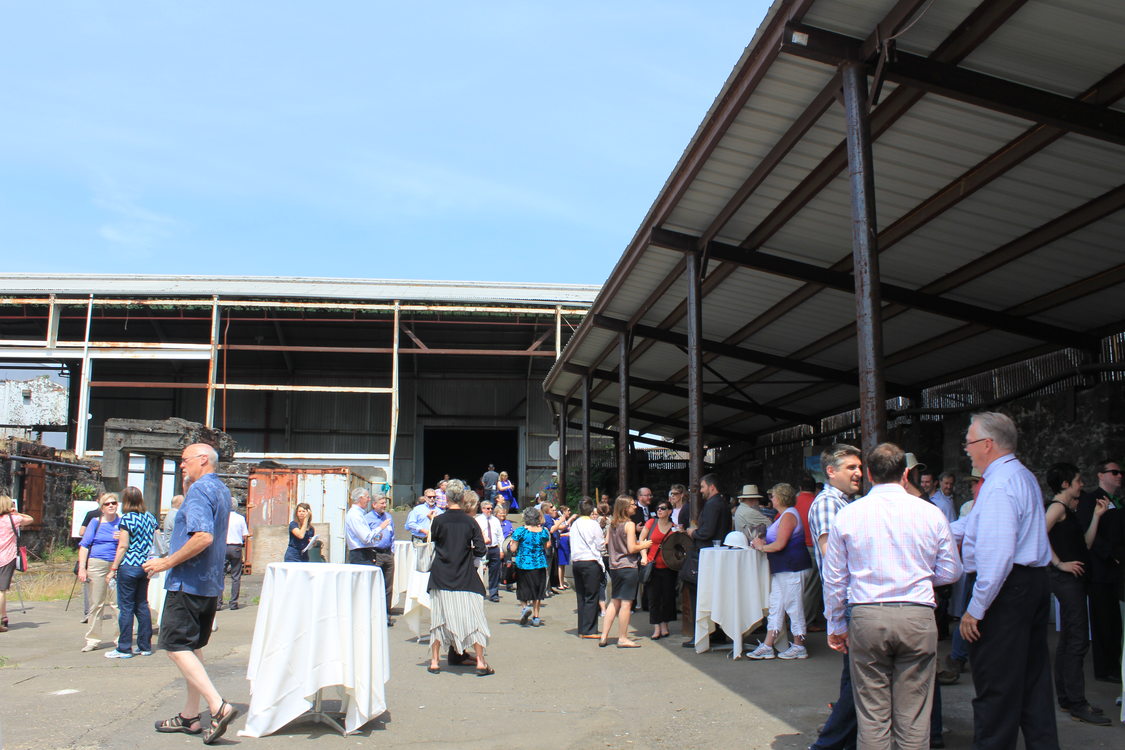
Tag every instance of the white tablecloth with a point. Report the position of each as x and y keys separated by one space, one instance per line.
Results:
x=318 y=625
x=416 y=609
x=404 y=564
x=733 y=591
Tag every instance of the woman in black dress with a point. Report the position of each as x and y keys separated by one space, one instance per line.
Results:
x=456 y=592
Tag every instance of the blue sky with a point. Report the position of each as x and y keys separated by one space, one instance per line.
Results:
x=513 y=141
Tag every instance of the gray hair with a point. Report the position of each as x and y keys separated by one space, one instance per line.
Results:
x=470 y=502
x=999 y=427
x=947 y=474
x=532 y=516
x=211 y=453
x=377 y=493
x=358 y=493
x=233 y=503
x=834 y=455
x=454 y=489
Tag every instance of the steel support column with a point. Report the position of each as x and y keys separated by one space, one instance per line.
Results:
x=695 y=379
x=154 y=481
x=394 y=400
x=564 y=406
x=869 y=322
x=82 y=428
x=586 y=436
x=623 y=347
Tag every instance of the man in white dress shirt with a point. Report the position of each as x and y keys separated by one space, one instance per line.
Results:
x=493 y=536
x=237 y=534
x=886 y=552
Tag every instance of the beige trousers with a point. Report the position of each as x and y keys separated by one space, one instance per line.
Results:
x=103 y=600
x=893 y=654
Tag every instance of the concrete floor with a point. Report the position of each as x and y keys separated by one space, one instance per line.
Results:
x=551 y=690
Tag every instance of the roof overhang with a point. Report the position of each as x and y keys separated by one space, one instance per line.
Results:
x=999 y=150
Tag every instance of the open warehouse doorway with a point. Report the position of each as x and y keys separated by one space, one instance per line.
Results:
x=465 y=453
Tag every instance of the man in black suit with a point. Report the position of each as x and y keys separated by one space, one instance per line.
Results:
x=1104 y=575
x=714 y=524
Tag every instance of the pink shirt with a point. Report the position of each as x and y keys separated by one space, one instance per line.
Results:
x=8 y=537
x=887 y=546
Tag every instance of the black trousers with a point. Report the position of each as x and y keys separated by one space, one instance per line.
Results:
x=587 y=578
x=1011 y=667
x=380 y=559
x=1105 y=630
x=1073 y=643
x=493 y=563
x=661 y=588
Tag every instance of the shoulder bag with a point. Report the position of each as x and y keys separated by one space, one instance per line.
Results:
x=21 y=551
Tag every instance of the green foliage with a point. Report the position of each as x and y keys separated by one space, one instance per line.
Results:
x=83 y=491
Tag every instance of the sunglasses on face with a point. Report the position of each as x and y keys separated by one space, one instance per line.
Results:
x=1114 y=472
x=111 y=502
x=663 y=507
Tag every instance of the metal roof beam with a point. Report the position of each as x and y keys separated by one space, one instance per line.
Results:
x=675 y=390
x=639 y=438
x=954 y=82
x=740 y=353
x=654 y=419
x=845 y=282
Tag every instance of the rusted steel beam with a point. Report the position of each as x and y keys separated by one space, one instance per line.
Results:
x=695 y=380
x=865 y=254
x=586 y=429
x=146 y=384
x=623 y=347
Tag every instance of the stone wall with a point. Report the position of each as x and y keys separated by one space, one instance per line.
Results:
x=54 y=514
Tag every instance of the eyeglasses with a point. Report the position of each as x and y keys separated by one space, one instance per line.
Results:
x=109 y=502
x=663 y=507
x=1114 y=472
x=965 y=445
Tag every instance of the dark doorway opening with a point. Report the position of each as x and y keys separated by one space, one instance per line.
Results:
x=465 y=453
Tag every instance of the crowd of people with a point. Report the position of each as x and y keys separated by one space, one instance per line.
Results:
x=885 y=573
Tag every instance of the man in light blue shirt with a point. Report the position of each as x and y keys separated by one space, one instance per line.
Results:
x=383 y=526
x=418 y=520
x=1004 y=541
x=358 y=532
x=943 y=496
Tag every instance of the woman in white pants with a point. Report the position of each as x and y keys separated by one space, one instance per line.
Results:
x=784 y=545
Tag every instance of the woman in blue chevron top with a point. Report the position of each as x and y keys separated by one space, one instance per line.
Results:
x=134 y=546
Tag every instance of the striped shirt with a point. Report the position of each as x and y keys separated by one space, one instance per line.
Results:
x=1006 y=527
x=141 y=527
x=887 y=546
x=822 y=513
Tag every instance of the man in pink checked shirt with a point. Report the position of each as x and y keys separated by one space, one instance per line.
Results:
x=886 y=552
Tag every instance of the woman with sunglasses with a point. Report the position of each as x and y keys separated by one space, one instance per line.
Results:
x=662 y=582
x=95 y=557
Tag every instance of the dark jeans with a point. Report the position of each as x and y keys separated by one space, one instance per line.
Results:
x=840 y=730
x=1070 y=651
x=132 y=601
x=587 y=578
x=233 y=568
x=493 y=562
x=1011 y=667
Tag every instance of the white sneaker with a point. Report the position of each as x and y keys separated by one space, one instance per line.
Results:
x=138 y=652
x=794 y=652
x=761 y=652
x=115 y=654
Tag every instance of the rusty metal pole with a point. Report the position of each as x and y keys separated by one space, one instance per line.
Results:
x=564 y=406
x=586 y=435
x=695 y=380
x=865 y=258
x=623 y=412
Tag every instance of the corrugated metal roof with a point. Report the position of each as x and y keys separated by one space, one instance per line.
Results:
x=266 y=287
x=976 y=205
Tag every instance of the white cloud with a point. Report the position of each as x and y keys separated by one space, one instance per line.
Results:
x=129 y=225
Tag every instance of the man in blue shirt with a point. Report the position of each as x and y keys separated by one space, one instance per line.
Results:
x=418 y=520
x=1004 y=541
x=194 y=584
x=383 y=526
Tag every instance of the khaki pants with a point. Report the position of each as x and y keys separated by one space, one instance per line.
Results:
x=103 y=600
x=893 y=653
